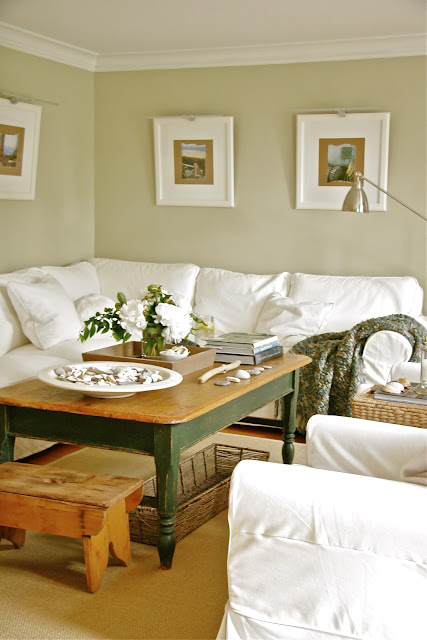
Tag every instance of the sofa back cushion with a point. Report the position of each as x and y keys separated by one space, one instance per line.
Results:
x=45 y=310
x=292 y=321
x=132 y=278
x=358 y=298
x=79 y=279
x=235 y=299
x=11 y=334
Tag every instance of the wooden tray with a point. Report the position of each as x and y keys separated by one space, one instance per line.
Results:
x=131 y=351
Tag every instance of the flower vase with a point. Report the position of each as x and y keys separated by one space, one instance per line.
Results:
x=153 y=341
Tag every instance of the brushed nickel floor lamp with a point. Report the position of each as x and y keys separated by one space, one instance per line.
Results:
x=357 y=201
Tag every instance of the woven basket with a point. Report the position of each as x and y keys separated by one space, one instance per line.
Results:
x=203 y=487
x=366 y=406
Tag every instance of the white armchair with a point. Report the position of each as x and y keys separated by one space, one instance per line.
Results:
x=333 y=550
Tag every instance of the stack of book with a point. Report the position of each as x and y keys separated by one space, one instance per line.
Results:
x=410 y=396
x=249 y=348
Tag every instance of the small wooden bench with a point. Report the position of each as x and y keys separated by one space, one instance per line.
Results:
x=66 y=503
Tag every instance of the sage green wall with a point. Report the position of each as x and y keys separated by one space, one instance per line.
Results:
x=58 y=226
x=264 y=232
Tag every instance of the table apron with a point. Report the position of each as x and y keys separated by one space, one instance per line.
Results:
x=74 y=428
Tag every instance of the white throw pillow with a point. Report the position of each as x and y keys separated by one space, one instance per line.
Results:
x=47 y=314
x=235 y=299
x=78 y=279
x=11 y=335
x=87 y=306
x=286 y=318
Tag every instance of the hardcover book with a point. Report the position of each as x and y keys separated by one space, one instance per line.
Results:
x=242 y=343
x=255 y=358
x=408 y=396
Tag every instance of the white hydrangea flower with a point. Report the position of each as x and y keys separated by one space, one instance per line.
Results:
x=182 y=301
x=132 y=318
x=175 y=320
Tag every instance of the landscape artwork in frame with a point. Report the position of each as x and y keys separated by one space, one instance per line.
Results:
x=19 y=140
x=194 y=161
x=331 y=148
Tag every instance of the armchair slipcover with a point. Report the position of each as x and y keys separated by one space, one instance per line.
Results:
x=336 y=549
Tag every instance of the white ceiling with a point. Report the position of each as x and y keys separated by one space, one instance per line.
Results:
x=125 y=34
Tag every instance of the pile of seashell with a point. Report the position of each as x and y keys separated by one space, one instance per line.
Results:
x=106 y=375
x=395 y=386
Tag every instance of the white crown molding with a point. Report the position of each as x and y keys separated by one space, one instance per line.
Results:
x=356 y=49
x=353 y=49
x=36 y=45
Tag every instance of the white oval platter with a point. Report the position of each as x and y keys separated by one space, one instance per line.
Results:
x=169 y=379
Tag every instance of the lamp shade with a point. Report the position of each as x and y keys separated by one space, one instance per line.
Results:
x=356 y=199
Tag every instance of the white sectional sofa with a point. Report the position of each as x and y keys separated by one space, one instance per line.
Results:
x=42 y=310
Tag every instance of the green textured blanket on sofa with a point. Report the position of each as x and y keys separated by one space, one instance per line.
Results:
x=330 y=381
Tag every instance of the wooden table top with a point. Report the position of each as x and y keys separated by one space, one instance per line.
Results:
x=174 y=405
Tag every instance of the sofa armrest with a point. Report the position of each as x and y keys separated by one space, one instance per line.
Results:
x=381 y=351
x=314 y=555
x=363 y=447
x=409 y=370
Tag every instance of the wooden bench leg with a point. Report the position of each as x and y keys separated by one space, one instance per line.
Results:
x=96 y=557
x=113 y=538
x=118 y=528
x=15 y=536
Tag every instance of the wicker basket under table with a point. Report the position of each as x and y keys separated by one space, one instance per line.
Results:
x=366 y=406
x=203 y=488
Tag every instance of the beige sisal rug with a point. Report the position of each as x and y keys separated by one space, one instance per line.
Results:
x=43 y=585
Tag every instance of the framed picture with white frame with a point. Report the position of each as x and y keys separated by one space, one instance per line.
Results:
x=194 y=161
x=19 y=143
x=331 y=148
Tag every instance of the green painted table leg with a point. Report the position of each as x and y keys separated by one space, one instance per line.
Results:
x=7 y=441
x=289 y=411
x=166 y=456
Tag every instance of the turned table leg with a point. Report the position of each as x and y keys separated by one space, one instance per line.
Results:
x=166 y=457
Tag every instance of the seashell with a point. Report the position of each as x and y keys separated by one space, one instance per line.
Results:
x=254 y=372
x=393 y=387
x=232 y=379
x=242 y=374
x=59 y=371
x=267 y=366
x=405 y=382
x=222 y=383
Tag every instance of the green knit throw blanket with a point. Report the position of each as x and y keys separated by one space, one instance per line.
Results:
x=330 y=381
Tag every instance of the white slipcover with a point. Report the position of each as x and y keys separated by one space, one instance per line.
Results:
x=321 y=554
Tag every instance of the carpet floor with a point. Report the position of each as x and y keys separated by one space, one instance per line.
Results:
x=43 y=585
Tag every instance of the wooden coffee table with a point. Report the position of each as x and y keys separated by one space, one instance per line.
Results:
x=161 y=423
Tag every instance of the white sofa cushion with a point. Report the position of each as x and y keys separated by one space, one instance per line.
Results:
x=87 y=306
x=288 y=319
x=11 y=334
x=132 y=278
x=78 y=279
x=362 y=447
x=235 y=299
x=46 y=312
x=357 y=298
x=314 y=554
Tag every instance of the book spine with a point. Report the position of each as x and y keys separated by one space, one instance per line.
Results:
x=275 y=352
x=268 y=354
x=243 y=350
x=403 y=399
